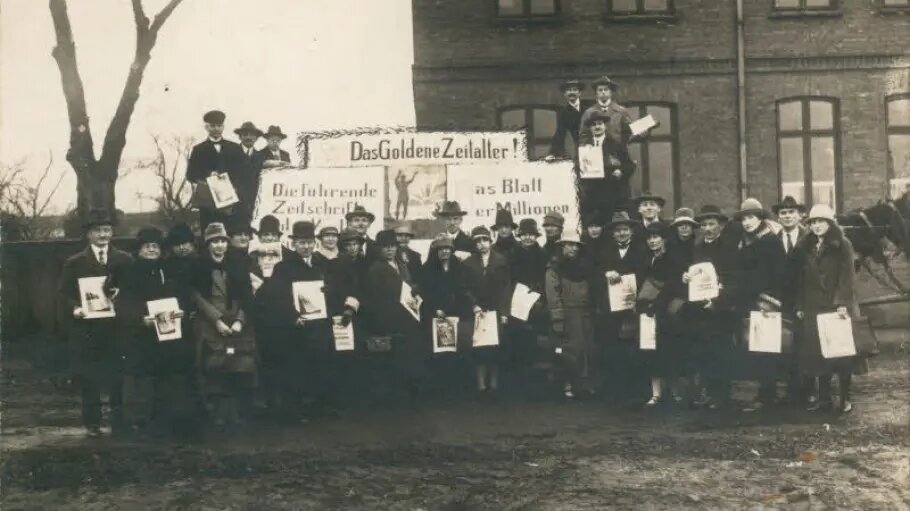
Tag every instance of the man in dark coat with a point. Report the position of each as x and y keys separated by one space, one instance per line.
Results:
x=247 y=177
x=612 y=191
x=505 y=226
x=715 y=321
x=453 y=215
x=214 y=155
x=360 y=220
x=618 y=118
x=273 y=155
x=95 y=349
x=568 y=120
x=648 y=207
x=407 y=255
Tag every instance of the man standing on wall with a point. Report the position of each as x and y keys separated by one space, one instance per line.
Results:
x=568 y=120
x=248 y=176
x=214 y=155
x=618 y=130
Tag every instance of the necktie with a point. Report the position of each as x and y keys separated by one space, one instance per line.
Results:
x=101 y=258
x=789 y=242
x=596 y=142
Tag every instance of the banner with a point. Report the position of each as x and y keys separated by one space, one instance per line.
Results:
x=322 y=196
x=527 y=189
x=409 y=147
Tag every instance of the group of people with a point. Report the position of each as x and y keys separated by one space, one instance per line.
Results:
x=244 y=340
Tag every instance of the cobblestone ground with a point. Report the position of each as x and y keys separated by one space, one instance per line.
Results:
x=478 y=455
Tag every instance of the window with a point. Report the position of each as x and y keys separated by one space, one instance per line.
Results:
x=658 y=155
x=896 y=3
x=804 y=5
x=808 y=143
x=639 y=7
x=898 y=129
x=540 y=122
x=526 y=8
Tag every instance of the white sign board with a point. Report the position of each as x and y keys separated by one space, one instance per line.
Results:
x=527 y=189
x=322 y=196
x=408 y=147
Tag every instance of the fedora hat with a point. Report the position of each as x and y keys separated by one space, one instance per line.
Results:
x=275 y=131
x=303 y=230
x=621 y=218
x=359 y=210
x=269 y=225
x=751 y=206
x=328 y=231
x=504 y=218
x=822 y=212
x=684 y=216
x=595 y=116
x=481 y=232
x=646 y=195
x=710 y=211
x=528 y=226
x=788 y=203
x=214 y=117
x=554 y=218
x=213 y=231
x=248 y=127
x=571 y=83
x=180 y=234
x=571 y=237
x=404 y=229
x=449 y=208
x=98 y=217
x=387 y=238
x=604 y=80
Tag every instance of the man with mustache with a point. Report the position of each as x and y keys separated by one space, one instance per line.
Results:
x=568 y=119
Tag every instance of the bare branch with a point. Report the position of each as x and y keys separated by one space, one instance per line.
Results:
x=162 y=16
x=142 y=21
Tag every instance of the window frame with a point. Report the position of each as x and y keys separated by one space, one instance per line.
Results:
x=640 y=14
x=833 y=9
x=806 y=133
x=526 y=14
x=640 y=107
x=892 y=9
x=529 y=123
x=893 y=130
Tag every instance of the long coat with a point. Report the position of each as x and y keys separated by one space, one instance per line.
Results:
x=411 y=259
x=568 y=122
x=490 y=287
x=445 y=290
x=609 y=192
x=572 y=302
x=717 y=324
x=205 y=159
x=94 y=349
x=791 y=270
x=246 y=180
x=826 y=281
x=763 y=265
x=387 y=316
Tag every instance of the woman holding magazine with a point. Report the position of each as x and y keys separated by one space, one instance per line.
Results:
x=825 y=285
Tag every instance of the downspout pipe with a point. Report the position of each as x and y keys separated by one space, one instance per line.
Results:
x=741 y=99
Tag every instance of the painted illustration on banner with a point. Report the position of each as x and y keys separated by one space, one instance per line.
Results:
x=412 y=194
x=526 y=189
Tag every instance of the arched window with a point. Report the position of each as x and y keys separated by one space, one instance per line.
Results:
x=658 y=155
x=808 y=149
x=540 y=121
x=898 y=129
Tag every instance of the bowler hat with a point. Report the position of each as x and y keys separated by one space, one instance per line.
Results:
x=649 y=196
x=481 y=232
x=328 y=231
x=554 y=218
x=214 y=230
x=504 y=218
x=658 y=228
x=149 y=235
x=684 y=216
x=571 y=83
x=180 y=234
x=449 y=208
x=751 y=206
x=595 y=116
x=239 y=226
x=303 y=230
x=248 y=127
x=275 y=131
x=269 y=225
x=604 y=80
x=214 y=117
x=788 y=203
x=386 y=238
x=528 y=226
x=571 y=237
x=442 y=241
x=710 y=211
x=359 y=210
x=404 y=229
x=821 y=212
x=621 y=218
x=98 y=217
x=347 y=235
x=593 y=218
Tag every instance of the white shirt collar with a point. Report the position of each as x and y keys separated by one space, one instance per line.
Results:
x=575 y=104
x=98 y=251
x=212 y=140
x=605 y=105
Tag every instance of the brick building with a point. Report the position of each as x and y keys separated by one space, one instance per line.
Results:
x=826 y=93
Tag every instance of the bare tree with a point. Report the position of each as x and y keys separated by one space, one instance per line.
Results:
x=174 y=191
x=25 y=204
x=96 y=177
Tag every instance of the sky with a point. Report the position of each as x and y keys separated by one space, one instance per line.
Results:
x=301 y=64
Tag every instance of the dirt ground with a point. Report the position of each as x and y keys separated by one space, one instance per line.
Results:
x=470 y=454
